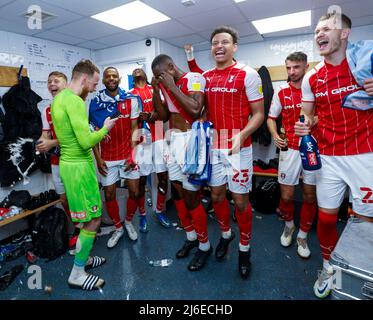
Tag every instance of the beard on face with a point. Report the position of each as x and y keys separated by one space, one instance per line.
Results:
x=112 y=88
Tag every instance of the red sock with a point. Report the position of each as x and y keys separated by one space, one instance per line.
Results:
x=141 y=204
x=244 y=220
x=307 y=214
x=222 y=212
x=161 y=198
x=184 y=215
x=287 y=210
x=200 y=223
x=113 y=212
x=131 y=209
x=327 y=233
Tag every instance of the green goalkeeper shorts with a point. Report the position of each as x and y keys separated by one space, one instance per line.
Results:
x=82 y=191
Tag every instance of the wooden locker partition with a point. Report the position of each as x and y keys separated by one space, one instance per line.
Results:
x=8 y=75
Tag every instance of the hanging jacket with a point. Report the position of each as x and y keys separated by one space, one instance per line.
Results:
x=22 y=126
x=22 y=116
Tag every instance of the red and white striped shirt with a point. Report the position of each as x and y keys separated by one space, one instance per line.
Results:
x=117 y=144
x=46 y=118
x=229 y=93
x=287 y=101
x=189 y=82
x=342 y=131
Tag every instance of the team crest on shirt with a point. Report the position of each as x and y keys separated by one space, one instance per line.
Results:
x=260 y=90
x=230 y=80
x=94 y=208
x=283 y=175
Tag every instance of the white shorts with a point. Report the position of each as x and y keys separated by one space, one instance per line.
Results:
x=175 y=158
x=115 y=172
x=160 y=149
x=235 y=169
x=338 y=172
x=151 y=158
x=290 y=168
x=58 y=184
x=144 y=158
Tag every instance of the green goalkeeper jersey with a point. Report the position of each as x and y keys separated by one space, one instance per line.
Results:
x=70 y=122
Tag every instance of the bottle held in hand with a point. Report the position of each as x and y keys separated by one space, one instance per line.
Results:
x=309 y=152
x=283 y=137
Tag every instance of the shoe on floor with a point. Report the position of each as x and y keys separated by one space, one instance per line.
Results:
x=185 y=249
x=222 y=248
x=323 y=284
x=143 y=224
x=94 y=262
x=163 y=220
x=244 y=264
x=87 y=282
x=132 y=234
x=199 y=260
x=303 y=250
x=287 y=236
x=117 y=234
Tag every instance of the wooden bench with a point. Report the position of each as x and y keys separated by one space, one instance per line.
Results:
x=26 y=213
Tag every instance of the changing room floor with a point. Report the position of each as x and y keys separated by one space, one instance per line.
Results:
x=277 y=273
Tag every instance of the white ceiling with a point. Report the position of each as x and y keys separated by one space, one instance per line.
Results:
x=73 y=25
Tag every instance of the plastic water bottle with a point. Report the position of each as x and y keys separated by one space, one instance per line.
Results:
x=161 y=263
x=309 y=152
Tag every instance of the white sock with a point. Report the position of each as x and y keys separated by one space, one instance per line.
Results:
x=302 y=234
x=326 y=265
x=204 y=246
x=119 y=229
x=289 y=224
x=127 y=222
x=227 y=234
x=191 y=235
x=76 y=273
x=244 y=248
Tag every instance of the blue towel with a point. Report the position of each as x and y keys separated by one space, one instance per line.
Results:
x=197 y=156
x=103 y=106
x=360 y=60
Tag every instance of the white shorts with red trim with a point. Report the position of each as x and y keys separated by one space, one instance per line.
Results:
x=235 y=169
x=338 y=172
x=290 y=168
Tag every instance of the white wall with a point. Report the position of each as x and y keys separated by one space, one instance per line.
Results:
x=128 y=53
x=40 y=57
x=177 y=54
x=138 y=51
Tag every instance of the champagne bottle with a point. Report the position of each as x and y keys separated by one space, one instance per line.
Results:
x=309 y=152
